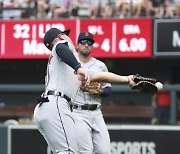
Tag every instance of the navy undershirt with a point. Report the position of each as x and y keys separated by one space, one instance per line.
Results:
x=64 y=52
x=106 y=91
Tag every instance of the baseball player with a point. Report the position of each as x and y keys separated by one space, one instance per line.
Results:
x=53 y=116
x=92 y=133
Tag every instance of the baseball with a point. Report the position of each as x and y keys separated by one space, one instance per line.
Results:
x=159 y=85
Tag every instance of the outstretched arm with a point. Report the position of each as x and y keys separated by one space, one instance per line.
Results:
x=112 y=78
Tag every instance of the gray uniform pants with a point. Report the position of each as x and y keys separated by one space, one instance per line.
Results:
x=92 y=133
x=54 y=121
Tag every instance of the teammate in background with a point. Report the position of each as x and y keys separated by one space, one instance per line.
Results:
x=161 y=103
x=53 y=115
x=92 y=133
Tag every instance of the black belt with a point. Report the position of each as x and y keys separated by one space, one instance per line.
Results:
x=50 y=92
x=90 y=107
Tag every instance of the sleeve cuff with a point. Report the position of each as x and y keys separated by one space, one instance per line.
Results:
x=77 y=67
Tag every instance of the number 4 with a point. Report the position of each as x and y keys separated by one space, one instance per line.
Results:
x=106 y=45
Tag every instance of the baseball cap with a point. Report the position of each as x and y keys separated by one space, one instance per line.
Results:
x=85 y=36
x=51 y=34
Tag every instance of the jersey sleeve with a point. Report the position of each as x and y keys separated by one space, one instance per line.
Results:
x=67 y=56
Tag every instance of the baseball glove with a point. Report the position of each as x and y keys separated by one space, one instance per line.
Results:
x=93 y=88
x=144 y=84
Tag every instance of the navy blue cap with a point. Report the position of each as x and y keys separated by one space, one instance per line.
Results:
x=51 y=34
x=85 y=36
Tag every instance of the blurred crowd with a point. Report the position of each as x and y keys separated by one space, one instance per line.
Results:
x=52 y=9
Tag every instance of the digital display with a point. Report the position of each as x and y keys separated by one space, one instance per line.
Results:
x=22 y=39
x=120 y=38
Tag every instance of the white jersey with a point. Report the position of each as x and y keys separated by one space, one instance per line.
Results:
x=60 y=76
x=84 y=97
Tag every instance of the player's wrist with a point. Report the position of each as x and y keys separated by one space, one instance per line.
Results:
x=128 y=80
x=77 y=68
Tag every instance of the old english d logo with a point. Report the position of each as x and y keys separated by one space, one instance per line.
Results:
x=86 y=34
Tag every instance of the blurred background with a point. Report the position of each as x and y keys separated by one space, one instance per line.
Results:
x=131 y=36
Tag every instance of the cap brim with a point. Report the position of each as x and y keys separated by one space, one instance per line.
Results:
x=67 y=32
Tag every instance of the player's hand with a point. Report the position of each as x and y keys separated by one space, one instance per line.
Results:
x=83 y=76
x=131 y=80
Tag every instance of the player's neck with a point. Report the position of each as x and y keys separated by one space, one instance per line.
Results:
x=84 y=59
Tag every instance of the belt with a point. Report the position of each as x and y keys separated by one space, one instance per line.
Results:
x=90 y=107
x=55 y=93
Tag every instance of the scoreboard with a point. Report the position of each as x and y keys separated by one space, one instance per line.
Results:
x=115 y=38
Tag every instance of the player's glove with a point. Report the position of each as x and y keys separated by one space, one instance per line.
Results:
x=144 y=84
x=92 y=88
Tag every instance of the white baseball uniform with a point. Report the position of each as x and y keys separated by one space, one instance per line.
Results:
x=92 y=132
x=54 y=118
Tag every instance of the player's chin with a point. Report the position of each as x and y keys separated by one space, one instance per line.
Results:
x=86 y=53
